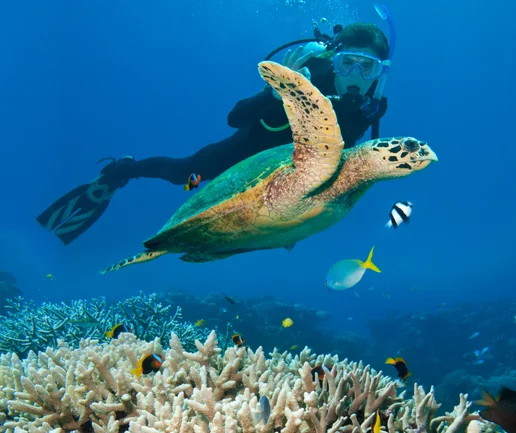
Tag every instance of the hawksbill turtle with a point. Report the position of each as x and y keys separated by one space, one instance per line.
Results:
x=285 y=194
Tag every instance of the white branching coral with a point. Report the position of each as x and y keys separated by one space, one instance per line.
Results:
x=92 y=389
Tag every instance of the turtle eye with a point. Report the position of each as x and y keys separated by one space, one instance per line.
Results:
x=411 y=145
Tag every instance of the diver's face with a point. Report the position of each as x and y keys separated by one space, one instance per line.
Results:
x=354 y=82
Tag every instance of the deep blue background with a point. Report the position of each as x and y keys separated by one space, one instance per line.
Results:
x=84 y=80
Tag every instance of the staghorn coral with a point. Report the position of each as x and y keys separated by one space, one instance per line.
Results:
x=8 y=288
x=91 y=389
x=29 y=327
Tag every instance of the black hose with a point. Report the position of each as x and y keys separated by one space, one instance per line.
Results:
x=282 y=47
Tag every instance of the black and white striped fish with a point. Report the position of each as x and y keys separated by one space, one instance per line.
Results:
x=400 y=213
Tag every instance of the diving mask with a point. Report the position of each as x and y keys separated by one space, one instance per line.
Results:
x=370 y=67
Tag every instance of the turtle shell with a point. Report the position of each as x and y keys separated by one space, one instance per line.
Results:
x=226 y=187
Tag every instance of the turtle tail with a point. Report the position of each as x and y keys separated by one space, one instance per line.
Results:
x=143 y=257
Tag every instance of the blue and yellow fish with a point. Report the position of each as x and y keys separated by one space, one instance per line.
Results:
x=346 y=273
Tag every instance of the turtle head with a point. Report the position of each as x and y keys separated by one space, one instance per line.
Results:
x=399 y=156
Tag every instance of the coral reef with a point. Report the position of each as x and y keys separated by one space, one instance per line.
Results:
x=474 y=384
x=443 y=343
x=8 y=288
x=27 y=326
x=258 y=318
x=91 y=388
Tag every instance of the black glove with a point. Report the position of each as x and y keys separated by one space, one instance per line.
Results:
x=117 y=173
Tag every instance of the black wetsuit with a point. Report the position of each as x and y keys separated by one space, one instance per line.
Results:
x=251 y=137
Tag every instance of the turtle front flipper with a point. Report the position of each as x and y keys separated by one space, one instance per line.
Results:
x=318 y=142
x=146 y=256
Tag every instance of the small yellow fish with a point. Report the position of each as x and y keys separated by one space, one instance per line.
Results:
x=287 y=323
x=377 y=425
x=294 y=347
x=50 y=277
x=200 y=322
x=237 y=317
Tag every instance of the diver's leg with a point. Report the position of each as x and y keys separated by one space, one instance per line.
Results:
x=209 y=162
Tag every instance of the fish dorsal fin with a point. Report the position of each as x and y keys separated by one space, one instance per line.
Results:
x=318 y=142
x=507 y=394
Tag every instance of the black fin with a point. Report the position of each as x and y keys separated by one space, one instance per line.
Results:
x=73 y=213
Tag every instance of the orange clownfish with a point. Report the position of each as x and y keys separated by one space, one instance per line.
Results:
x=321 y=370
x=117 y=330
x=149 y=363
x=238 y=340
x=193 y=181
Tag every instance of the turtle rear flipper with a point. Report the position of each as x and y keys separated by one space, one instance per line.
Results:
x=318 y=142
x=143 y=257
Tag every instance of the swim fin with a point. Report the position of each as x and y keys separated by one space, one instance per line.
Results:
x=75 y=212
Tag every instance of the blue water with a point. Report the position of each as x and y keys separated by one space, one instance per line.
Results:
x=84 y=80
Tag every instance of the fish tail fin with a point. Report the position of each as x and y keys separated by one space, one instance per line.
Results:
x=146 y=256
x=407 y=375
x=187 y=187
x=368 y=264
x=137 y=371
x=487 y=400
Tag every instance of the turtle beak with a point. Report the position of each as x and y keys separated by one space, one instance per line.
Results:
x=424 y=157
x=429 y=155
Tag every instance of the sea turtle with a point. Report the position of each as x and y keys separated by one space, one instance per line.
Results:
x=282 y=195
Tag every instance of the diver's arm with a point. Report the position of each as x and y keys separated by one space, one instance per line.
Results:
x=249 y=111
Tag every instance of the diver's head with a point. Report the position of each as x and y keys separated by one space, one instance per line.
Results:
x=360 y=49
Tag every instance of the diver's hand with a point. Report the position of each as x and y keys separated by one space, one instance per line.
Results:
x=117 y=173
x=295 y=61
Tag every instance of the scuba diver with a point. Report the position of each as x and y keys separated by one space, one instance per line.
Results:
x=349 y=67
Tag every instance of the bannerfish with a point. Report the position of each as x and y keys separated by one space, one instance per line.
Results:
x=501 y=411
x=401 y=367
x=346 y=273
x=117 y=330
x=148 y=363
x=400 y=213
x=193 y=181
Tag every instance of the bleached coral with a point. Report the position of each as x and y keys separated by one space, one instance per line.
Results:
x=92 y=388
